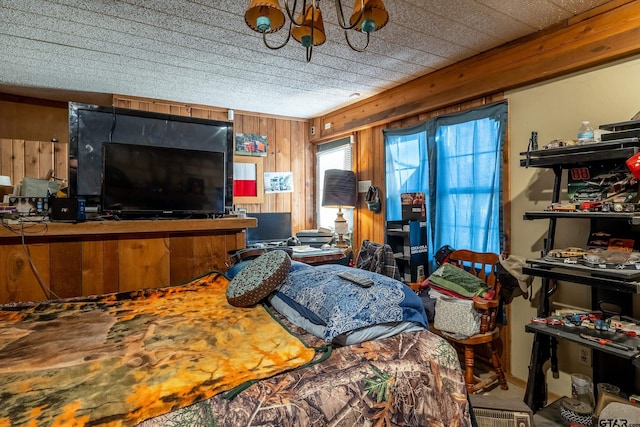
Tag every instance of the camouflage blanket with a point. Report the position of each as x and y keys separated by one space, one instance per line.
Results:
x=122 y=358
x=410 y=379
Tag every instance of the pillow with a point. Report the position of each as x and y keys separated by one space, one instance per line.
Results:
x=340 y=307
x=258 y=279
x=357 y=336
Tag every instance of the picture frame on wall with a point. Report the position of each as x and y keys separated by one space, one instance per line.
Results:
x=248 y=184
x=278 y=182
x=250 y=144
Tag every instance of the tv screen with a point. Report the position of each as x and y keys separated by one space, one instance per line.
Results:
x=272 y=227
x=90 y=126
x=149 y=180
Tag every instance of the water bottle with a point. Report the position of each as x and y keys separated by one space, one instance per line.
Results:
x=585 y=133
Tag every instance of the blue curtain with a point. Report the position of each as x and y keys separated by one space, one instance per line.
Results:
x=406 y=166
x=462 y=175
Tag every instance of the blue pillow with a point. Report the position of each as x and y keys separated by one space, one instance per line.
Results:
x=324 y=298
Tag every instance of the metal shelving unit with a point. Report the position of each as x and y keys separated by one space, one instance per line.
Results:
x=625 y=281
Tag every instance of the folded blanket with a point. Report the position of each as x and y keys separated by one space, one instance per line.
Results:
x=455 y=279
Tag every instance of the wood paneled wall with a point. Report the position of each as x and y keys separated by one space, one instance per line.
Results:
x=33 y=159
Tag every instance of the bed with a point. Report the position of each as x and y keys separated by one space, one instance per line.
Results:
x=184 y=356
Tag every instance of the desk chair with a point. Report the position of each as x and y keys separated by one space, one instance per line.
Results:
x=482 y=265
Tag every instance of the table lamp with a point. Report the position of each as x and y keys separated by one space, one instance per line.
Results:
x=339 y=192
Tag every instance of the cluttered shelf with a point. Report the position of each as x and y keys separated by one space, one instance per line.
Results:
x=572 y=155
x=615 y=279
x=632 y=218
x=608 y=341
x=602 y=175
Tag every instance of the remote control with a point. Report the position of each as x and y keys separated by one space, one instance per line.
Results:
x=360 y=281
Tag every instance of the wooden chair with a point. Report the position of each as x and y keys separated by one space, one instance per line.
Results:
x=484 y=266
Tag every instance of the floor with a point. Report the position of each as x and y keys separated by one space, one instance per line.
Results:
x=514 y=398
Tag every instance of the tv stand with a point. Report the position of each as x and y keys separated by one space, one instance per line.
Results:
x=95 y=257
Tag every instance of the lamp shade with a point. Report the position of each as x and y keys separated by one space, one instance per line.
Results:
x=374 y=15
x=339 y=189
x=264 y=16
x=311 y=20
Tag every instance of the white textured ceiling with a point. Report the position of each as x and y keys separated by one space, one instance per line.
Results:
x=201 y=51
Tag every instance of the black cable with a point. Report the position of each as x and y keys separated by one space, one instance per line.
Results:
x=113 y=123
x=23 y=232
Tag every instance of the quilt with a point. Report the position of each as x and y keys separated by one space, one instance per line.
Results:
x=412 y=379
x=122 y=358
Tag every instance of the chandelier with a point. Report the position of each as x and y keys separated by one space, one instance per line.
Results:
x=266 y=16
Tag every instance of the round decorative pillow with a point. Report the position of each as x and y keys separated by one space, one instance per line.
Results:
x=258 y=279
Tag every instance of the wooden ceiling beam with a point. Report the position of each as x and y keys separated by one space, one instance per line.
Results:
x=583 y=42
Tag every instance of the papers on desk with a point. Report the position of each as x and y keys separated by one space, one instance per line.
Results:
x=300 y=251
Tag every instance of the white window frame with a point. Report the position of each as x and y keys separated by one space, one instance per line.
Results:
x=332 y=155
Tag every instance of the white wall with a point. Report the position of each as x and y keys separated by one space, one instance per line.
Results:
x=555 y=110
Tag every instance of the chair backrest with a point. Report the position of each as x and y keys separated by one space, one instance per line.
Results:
x=483 y=265
x=377 y=257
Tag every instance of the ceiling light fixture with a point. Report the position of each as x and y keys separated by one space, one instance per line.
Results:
x=266 y=16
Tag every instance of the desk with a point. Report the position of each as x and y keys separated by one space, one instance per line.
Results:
x=96 y=257
x=320 y=257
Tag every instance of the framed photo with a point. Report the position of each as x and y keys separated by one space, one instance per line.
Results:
x=248 y=186
x=249 y=144
x=278 y=182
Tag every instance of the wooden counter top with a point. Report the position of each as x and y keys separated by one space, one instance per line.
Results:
x=51 y=229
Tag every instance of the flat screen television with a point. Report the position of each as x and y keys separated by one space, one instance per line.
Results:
x=146 y=180
x=90 y=126
x=273 y=227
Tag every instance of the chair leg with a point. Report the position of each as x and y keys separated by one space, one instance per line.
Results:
x=469 y=359
x=495 y=361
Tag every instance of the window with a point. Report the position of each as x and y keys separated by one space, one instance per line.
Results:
x=456 y=160
x=332 y=155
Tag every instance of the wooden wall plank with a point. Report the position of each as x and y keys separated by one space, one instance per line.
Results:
x=181 y=265
x=269 y=204
x=66 y=268
x=45 y=161
x=111 y=269
x=152 y=266
x=18 y=160
x=297 y=162
x=61 y=161
x=33 y=119
x=92 y=271
x=17 y=279
x=193 y=256
x=310 y=182
x=32 y=159
x=282 y=159
x=6 y=157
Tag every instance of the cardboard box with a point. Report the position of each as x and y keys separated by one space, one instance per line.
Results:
x=413 y=206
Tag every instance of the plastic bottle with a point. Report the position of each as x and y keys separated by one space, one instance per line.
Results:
x=585 y=133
